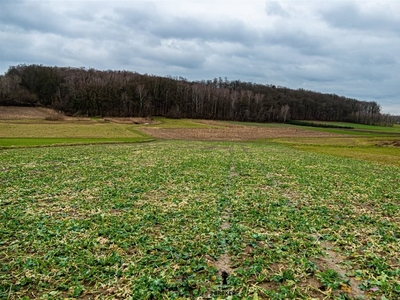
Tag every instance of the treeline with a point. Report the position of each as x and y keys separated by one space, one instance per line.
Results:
x=80 y=91
x=312 y=124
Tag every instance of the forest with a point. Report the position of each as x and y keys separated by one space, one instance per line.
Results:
x=90 y=92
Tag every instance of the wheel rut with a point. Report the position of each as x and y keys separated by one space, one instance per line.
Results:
x=224 y=261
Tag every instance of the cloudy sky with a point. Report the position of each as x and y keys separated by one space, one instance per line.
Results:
x=350 y=48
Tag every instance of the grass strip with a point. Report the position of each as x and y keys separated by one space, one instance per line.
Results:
x=37 y=142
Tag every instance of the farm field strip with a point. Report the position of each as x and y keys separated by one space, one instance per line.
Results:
x=48 y=133
x=239 y=133
x=68 y=130
x=379 y=149
x=383 y=129
x=43 y=142
x=163 y=220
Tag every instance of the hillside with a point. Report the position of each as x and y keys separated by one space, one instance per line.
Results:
x=126 y=94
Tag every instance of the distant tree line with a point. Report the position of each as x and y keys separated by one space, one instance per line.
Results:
x=80 y=91
x=312 y=124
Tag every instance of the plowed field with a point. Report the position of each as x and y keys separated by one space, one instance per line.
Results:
x=232 y=133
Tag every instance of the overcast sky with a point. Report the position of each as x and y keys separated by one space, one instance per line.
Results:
x=350 y=48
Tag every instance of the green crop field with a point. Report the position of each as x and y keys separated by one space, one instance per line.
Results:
x=163 y=220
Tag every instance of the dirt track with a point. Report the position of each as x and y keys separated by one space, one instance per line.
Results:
x=234 y=133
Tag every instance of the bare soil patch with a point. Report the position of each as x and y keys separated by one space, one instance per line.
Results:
x=389 y=144
x=217 y=123
x=35 y=113
x=143 y=121
x=231 y=133
x=333 y=261
x=19 y=113
x=224 y=264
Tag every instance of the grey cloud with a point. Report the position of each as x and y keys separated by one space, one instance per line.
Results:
x=350 y=16
x=175 y=57
x=337 y=48
x=297 y=39
x=29 y=16
x=161 y=56
x=137 y=18
x=69 y=22
x=188 y=28
x=273 y=8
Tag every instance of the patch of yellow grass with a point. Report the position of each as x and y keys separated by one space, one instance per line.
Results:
x=364 y=148
x=163 y=122
x=384 y=155
x=67 y=130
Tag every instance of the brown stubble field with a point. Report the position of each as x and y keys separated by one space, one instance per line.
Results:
x=21 y=113
x=232 y=133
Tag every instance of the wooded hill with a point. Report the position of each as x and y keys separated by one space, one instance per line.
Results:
x=80 y=91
